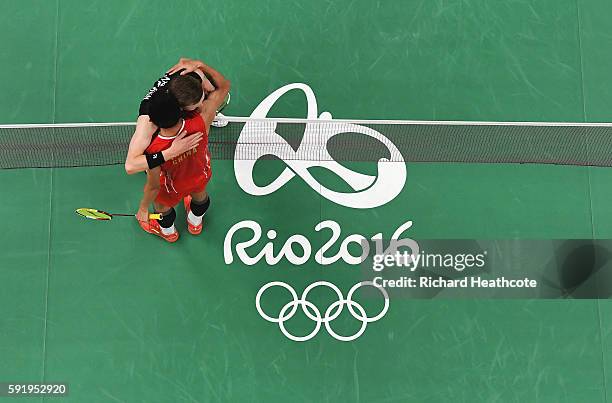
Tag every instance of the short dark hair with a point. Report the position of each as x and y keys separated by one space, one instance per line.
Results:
x=186 y=89
x=164 y=110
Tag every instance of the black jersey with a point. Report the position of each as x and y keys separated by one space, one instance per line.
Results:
x=162 y=82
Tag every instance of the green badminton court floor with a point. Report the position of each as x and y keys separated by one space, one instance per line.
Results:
x=123 y=317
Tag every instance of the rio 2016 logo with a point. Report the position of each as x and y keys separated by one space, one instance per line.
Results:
x=369 y=191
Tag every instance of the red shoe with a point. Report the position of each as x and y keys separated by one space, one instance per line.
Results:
x=193 y=229
x=153 y=227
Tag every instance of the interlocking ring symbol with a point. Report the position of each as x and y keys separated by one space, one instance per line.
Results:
x=313 y=313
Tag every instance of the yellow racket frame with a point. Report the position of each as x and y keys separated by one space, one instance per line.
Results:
x=95 y=214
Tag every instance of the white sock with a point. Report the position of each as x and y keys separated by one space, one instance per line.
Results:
x=168 y=231
x=194 y=219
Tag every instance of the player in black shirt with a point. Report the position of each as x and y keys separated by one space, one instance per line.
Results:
x=183 y=81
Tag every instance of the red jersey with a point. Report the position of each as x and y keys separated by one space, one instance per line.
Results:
x=190 y=168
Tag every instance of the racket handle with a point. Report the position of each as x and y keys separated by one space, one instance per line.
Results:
x=155 y=216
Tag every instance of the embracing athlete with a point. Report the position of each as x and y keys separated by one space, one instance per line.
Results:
x=190 y=95
x=185 y=176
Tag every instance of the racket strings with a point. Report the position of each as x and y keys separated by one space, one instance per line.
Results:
x=93 y=214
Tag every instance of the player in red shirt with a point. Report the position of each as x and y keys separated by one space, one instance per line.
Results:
x=184 y=177
x=186 y=95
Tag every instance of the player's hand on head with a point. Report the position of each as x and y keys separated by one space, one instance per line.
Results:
x=185 y=64
x=183 y=143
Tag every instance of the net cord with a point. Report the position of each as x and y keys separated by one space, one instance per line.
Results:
x=239 y=119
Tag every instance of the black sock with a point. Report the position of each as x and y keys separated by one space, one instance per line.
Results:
x=199 y=208
x=168 y=218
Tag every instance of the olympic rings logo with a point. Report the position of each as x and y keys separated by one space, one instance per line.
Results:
x=313 y=313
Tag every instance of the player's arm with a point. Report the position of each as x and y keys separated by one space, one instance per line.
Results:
x=207 y=86
x=151 y=189
x=214 y=76
x=206 y=73
x=216 y=98
x=138 y=161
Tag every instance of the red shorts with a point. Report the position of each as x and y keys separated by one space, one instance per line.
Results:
x=171 y=193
